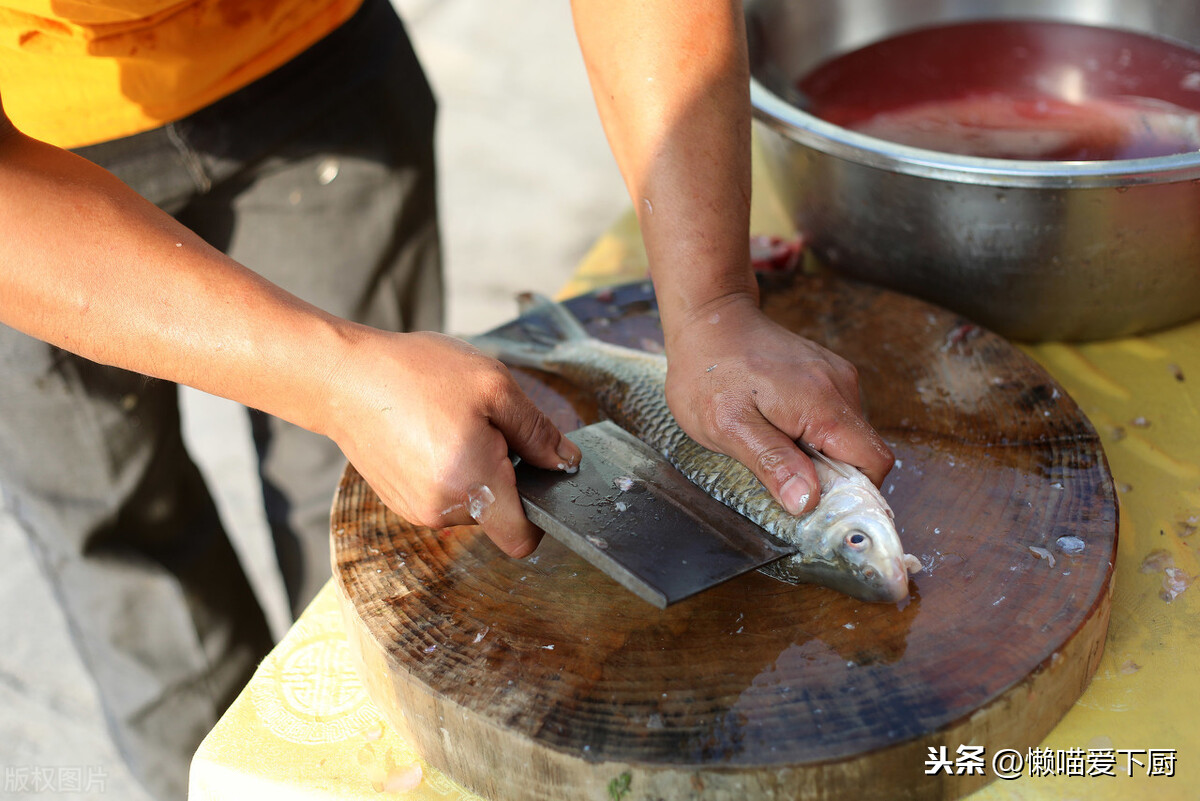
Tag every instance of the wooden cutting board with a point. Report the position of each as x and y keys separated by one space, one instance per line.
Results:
x=543 y=679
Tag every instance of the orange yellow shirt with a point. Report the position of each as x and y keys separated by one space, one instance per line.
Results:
x=77 y=72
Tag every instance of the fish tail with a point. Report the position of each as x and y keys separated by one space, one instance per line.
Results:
x=528 y=342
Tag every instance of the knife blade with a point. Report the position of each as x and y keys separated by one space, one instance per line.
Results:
x=631 y=514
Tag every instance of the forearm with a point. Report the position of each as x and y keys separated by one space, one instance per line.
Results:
x=90 y=266
x=672 y=85
x=671 y=81
x=427 y=420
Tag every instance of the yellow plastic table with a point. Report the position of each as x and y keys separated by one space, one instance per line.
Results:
x=304 y=728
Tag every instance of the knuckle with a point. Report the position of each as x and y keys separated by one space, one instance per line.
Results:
x=433 y=515
x=771 y=461
x=536 y=430
x=758 y=363
x=447 y=486
x=822 y=385
x=495 y=381
x=520 y=550
x=816 y=434
x=516 y=537
x=725 y=415
x=503 y=474
x=847 y=370
x=886 y=458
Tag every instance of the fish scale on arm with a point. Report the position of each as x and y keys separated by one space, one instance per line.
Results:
x=847 y=542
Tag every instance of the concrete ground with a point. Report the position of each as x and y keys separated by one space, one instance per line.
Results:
x=527 y=184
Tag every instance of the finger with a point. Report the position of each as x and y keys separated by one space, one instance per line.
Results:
x=530 y=433
x=832 y=423
x=496 y=507
x=845 y=378
x=777 y=462
x=851 y=439
x=843 y=375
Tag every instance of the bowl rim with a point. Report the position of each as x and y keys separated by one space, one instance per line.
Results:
x=842 y=143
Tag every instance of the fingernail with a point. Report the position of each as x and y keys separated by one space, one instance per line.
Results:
x=794 y=494
x=569 y=455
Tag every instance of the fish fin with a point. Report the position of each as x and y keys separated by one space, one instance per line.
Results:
x=565 y=325
x=510 y=351
x=841 y=468
x=542 y=326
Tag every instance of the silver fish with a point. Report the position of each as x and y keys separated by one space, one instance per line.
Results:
x=848 y=542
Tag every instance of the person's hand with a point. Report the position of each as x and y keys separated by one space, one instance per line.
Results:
x=742 y=385
x=429 y=422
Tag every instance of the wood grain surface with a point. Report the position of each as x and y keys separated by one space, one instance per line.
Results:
x=544 y=679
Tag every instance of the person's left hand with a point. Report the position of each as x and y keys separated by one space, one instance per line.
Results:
x=740 y=384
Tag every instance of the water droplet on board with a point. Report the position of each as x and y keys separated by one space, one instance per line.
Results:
x=327 y=170
x=1070 y=545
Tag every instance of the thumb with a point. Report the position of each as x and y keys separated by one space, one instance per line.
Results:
x=778 y=463
x=530 y=433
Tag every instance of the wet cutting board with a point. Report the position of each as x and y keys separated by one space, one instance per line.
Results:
x=543 y=679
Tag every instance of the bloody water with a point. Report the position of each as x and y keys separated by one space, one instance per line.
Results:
x=1017 y=89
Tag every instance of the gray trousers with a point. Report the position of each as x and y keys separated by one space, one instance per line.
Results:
x=320 y=178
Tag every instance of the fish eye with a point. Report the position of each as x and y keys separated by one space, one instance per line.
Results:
x=857 y=540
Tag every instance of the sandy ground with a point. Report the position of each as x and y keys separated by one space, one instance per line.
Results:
x=527 y=184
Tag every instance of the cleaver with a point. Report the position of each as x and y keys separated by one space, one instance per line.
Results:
x=630 y=513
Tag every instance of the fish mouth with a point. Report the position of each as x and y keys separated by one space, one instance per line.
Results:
x=886 y=582
x=889 y=585
x=894 y=582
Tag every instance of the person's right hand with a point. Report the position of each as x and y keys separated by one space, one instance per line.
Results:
x=429 y=422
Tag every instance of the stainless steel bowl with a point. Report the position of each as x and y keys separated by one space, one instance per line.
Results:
x=1035 y=250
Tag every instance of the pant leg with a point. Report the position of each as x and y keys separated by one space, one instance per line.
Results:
x=91 y=459
x=93 y=468
x=343 y=214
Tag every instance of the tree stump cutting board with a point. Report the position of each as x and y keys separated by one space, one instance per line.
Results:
x=542 y=678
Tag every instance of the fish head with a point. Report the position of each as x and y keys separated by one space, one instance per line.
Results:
x=862 y=556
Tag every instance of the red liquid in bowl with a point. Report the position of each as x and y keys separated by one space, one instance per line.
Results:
x=1017 y=90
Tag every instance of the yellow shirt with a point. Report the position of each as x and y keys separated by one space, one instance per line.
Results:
x=77 y=72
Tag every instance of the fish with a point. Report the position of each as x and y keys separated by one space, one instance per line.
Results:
x=848 y=542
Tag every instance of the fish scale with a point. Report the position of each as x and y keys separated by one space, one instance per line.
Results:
x=848 y=542
x=631 y=387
